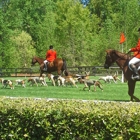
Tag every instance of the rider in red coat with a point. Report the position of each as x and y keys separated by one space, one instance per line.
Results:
x=136 y=50
x=135 y=59
x=50 y=56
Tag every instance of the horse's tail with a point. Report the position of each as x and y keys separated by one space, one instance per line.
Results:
x=64 y=68
x=64 y=64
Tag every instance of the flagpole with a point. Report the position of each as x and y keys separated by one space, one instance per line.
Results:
x=122 y=71
x=122 y=40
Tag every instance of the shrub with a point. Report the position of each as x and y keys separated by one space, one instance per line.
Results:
x=41 y=119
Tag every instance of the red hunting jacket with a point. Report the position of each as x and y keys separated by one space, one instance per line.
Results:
x=136 y=50
x=51 y=55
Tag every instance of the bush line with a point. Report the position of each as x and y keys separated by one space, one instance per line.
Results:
x=41 y=119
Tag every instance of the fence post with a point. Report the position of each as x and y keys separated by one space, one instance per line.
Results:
x=16 y=72
x=30 y=71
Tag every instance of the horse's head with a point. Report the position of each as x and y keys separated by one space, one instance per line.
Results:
x=109 y=58
x=33 y=61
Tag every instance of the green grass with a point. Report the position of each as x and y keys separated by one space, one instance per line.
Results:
x=112 y=92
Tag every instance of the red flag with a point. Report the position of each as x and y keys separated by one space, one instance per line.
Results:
x=122 y=38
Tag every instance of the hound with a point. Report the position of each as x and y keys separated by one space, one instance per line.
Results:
x=44 y=79
x=107 y=79
x=89 y=83
x=81 y=78
x=116 y=78
x=1 y=80
x=67 y=79
x=36 y=80
x=86 y=76
x=20 y=82
x=54 y=79
x=5 y=83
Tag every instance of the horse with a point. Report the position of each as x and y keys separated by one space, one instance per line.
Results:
x=58 y=65
x=122 y=60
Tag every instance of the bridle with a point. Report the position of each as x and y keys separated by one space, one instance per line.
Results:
x=108 y=56
x=34 y=61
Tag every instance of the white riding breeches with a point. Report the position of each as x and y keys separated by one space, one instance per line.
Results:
x=45 y=61
x=134 y=60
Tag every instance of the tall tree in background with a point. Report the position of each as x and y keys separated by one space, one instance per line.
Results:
x=38 y=21
x=23 y=50
x=74 y=30
x=116 y=17
x=5 y=33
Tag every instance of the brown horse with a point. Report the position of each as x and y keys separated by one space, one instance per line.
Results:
x=58 y=65
x=122 y=60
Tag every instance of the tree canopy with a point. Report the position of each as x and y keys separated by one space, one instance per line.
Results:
x=79 y=30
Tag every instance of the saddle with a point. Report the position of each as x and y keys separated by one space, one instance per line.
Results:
x=50 y=64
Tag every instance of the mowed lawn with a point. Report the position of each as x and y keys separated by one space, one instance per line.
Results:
x=112 y=91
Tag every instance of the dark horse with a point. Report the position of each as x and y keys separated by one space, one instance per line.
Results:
x=122 y=60
x=58 y=65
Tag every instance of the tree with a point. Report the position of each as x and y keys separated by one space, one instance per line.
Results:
x=80 y=34
x=74 y=31
x=23 y=50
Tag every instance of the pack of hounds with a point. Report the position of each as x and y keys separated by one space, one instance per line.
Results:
x=57 y=80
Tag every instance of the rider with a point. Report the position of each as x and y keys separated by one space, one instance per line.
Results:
x=135 y=59
x=50 y=56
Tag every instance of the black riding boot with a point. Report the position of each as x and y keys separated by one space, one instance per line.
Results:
x=134 y=69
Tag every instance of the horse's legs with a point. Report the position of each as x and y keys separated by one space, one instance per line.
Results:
x=131 y=88
x=59 y=72
x=41 y=69
x=41 y=73
x=42 y=66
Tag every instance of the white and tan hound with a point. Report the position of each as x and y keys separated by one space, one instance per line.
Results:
x=36 y=80
x=54 y=79
x=67 y=79
x=6 y=83
x=20 y=82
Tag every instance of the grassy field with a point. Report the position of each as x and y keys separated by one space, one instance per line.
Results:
x=112 y=92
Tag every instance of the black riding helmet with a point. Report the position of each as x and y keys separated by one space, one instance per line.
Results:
x=51 y=47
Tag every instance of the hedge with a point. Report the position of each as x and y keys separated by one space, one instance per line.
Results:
x=42 y=119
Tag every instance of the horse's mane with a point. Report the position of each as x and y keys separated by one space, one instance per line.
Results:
x=36 y=57
x=120 y=54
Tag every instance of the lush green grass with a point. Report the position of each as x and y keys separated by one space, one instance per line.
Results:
x=112 y=92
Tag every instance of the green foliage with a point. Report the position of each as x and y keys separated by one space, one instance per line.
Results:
x=74 y=30
x=68 y=119
x=24 y=51
x=79 y=34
